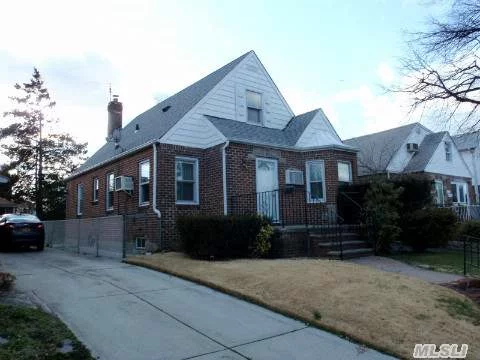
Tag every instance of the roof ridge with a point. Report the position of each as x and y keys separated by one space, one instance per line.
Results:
x=383 y=131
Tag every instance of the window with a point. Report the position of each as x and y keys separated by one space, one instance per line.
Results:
x=79 y=199
x=186 y=170
x=439 y=197
x=448 y=151
x=95 y=190
x=110 y=190
x=140 y=243
x=459 y=193
x=315 y=174
x=254 y=107
x=344 y=172
x=144 y=183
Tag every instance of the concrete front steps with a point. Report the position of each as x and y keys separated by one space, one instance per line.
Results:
x=342 y=242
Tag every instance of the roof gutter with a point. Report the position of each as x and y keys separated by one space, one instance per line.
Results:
x=295 y=149
x=113 y=158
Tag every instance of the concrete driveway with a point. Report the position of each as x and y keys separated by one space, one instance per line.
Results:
x=125 y=312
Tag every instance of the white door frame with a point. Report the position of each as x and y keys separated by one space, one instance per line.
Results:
x=272 y=198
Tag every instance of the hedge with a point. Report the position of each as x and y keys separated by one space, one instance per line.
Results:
x=220 y=236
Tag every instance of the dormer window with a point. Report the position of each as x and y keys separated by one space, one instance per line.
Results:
x=448 y=151
x=254 y=107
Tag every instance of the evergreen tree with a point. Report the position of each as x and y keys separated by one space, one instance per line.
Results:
x=39 y=156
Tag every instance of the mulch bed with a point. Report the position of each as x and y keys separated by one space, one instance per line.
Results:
x=467 y=287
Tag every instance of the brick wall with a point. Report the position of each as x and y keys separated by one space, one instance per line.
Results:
x=240 y=180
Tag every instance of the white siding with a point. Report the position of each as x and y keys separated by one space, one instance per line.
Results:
x=402 y=157
x=227 y=100
x=439 y=165
x=319 y=132
x=473 y=163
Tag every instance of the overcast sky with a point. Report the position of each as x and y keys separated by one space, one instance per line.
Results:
x=329 y=54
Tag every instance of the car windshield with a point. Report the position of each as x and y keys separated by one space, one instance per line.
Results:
x=21 y=218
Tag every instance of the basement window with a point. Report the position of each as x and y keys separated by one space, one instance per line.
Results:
x=140 y=243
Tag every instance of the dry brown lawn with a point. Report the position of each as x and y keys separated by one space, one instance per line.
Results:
x=387 y=311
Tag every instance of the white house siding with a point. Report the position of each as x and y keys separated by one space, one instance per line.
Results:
x=439 y=165
x=402 y=157
x=319 y=132
x=227 y=100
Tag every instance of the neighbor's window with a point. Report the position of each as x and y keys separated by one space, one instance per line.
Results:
x=439 y=197
x=95 y=190
x=344 y=172
x=254 y=107
x=144 y=183
x=459 y=193
x=110 y=190
x=315 y=173
x=79 y=199
x=186 y=170
x=448 y=151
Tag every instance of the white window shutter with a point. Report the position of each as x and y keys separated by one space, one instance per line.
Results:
x=240 y=103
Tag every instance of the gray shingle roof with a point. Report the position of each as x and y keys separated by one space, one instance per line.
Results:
x=376 y=150
x=154 y=122
x=244 y=132
x=420 y=160
x=467 y=141
x=252 y=134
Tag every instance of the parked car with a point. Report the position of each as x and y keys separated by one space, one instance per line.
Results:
x=21 y=230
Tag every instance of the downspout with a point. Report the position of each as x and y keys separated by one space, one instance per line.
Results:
x=224 y=174
x=154 y=193
x=475 y=175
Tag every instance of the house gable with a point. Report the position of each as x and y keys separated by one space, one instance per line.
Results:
x=319 y=132
x=227 y=100
x=439 y=165
x=402 y=157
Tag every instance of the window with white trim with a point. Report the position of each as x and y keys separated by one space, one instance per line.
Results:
x=344 y=172
x=80 y=199
x=95 y=187
x=186 y=176
x=144 y=182
x=439 y=196
x=110 y=191
x=254 y=107
x=140 y=242
x=315 y=174
x=459 y=193
x=448 y=151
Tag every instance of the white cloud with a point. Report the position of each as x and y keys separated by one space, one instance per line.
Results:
x=385 y=73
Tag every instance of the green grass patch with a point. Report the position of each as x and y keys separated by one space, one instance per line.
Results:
x=34 y=334
x=461 y=309
x=444 y=261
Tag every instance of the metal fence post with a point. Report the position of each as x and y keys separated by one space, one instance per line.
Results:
x=124 y=245
x=464 y=256
x=78 y=236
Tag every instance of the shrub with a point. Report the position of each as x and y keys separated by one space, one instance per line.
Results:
x=263 y=244
x=6 y=280
x=470 y=228
x=417 y=192
x=430 y=227
x=382 y=205
x=224 y=236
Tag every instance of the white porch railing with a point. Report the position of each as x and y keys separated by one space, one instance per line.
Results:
x=466 y=212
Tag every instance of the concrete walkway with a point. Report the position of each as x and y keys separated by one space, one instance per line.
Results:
x=125 y=312
x=395 y=266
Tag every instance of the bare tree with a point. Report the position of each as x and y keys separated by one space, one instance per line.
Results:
x=442 y=72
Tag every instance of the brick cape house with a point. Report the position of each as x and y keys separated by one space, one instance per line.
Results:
x=224 y=145
x=414 y=149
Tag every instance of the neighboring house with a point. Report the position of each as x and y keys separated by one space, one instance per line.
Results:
x=227 y=136
x=7 y=207
x=414 y=149
x=3 y=179
x=469 y=147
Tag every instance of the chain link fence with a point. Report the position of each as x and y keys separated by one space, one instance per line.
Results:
x=113 y=236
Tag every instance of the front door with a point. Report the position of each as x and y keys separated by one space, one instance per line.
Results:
x=267 y=188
